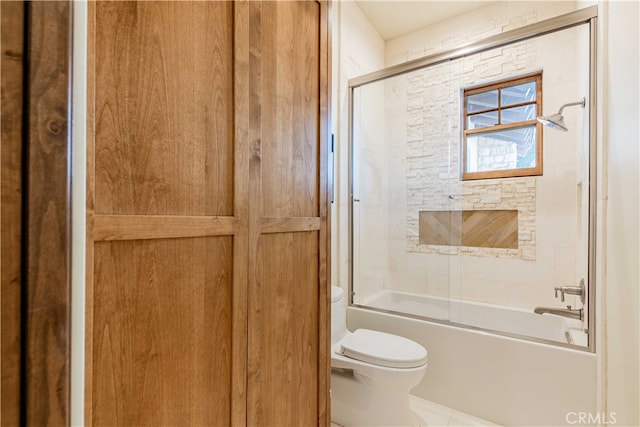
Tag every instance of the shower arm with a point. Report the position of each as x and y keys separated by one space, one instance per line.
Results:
x=581 y=103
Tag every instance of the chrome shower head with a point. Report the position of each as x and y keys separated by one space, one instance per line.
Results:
x=556 y=121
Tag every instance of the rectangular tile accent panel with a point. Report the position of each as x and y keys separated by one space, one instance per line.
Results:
x=482 y=228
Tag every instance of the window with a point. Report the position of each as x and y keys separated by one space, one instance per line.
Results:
x=502 y=137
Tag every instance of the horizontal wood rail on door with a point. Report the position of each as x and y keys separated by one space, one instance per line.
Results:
x=136 y=227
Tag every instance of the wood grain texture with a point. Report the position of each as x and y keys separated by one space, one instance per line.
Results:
x=289 y=225
x=325 y=180
x=48 y=241
x=290 y=113
x=135 y=227
x=283 y=332
x=90 y=211
x=288 y=366
x=164 y=108
x=12 y=46
x=241 y=212
x=170 y=155
x=254 y=287
x=162 y=322
x=480 y=228
x=254 y=283
x=440 y=228
x=277 y=274
x=490 y=229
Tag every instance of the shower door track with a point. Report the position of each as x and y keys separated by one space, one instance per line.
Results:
x=537 y=29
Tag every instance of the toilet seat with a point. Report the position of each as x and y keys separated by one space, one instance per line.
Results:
x=382 y=349
x=336 y=294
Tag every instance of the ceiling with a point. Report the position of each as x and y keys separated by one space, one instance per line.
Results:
x=393 y=18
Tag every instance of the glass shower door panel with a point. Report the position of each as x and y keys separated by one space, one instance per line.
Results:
x=370 y=241
x=503 y=289
x=389 y=178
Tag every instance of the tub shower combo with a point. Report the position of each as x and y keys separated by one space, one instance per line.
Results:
x=472 y=217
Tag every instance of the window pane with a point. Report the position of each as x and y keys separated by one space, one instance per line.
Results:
x=518 y=94
x=518 y=114
x=502 y=150
x=482 y=120
x=482 y=101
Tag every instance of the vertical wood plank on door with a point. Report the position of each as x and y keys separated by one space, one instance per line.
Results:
x=255 y=339
x=285 y=392
x=167 y=339
x=241 y=212
x=290 y=108
x=162 y=343
x=47 y=332
x=12 y=43
x=324 y=280
x=285 y=263
x=164 y=108
x=90 y=210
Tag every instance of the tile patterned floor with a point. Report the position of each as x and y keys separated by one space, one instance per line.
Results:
x=436 y=415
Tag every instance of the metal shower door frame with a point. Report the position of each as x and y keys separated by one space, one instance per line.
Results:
x=588 y=16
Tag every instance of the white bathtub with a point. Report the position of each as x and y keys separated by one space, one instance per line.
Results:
x=503 y=379
x=500 y=319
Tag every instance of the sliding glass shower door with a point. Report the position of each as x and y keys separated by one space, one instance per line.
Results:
x=465 y=208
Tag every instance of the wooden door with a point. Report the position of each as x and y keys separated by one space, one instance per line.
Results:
x=11 y=208
x=167 y=239
x=288 y=345
x=35 y=215
x=207 y=196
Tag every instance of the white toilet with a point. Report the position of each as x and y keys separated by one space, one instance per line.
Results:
x=371 y=373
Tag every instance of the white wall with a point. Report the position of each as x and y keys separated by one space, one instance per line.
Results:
x=475 y=25
x=621 y=140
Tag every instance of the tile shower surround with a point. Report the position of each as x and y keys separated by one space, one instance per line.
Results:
x=433 y=179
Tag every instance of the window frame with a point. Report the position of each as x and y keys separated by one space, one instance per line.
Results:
x=499 y=85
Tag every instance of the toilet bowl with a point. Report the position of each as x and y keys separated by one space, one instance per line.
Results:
x=371 y=373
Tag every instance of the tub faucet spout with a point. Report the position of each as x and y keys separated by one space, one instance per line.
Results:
x=572 y=313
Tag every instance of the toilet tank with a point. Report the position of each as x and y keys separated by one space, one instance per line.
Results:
x=338 y=314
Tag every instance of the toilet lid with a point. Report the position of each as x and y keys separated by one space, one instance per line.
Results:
x=383 y=349
x=336 y=293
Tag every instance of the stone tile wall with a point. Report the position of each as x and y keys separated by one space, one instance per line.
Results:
x=433 y=150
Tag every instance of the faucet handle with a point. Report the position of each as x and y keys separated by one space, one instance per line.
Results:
x=572 y=290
